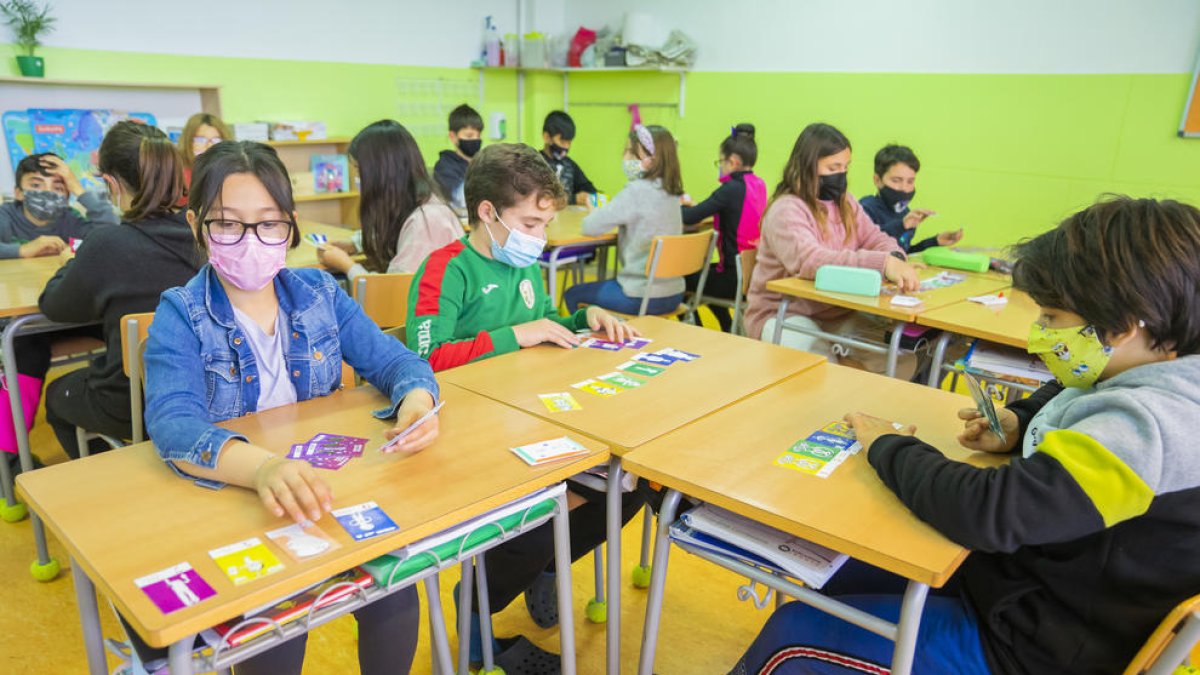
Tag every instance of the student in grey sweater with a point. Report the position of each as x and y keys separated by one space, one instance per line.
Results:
x=40 y=221
x=647 y=207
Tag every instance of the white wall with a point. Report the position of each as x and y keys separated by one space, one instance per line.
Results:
x=933 y=36
x=406 y=32
x=985 y=36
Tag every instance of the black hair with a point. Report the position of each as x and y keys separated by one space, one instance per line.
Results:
x=394 y=184
x=740 y=142
x=506 y=173
x=559 y=123
x=892 y=154
x=33 y=164
x=465 y=117
x=145 y=160
x=228 y=158
x=1119 y=262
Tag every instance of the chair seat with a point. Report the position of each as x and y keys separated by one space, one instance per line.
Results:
x=72 y=346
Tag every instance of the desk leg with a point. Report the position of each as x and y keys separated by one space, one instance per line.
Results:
x=89 y=616
x=894 y=348
x=552 y=274
x=939 y=356
x=562 y=569
x=779 y=317
x=613 y=507
x=439 y=642
x=179 y=656
x=658 y=582
x=485 y=610
x=907 y=626
x=465 y=598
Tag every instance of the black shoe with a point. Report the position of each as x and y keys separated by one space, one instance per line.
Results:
x=542 y=600
x=519 y=656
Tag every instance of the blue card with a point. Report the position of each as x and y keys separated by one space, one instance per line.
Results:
x=656 y=359
x=832 y=440
x=365 y=520
x=677 y=354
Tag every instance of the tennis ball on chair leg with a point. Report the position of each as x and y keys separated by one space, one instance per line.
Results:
x=596 y=612
x=13 y=513
x=641 y=576
x=47 y=572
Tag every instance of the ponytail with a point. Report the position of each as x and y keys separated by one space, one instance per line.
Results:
x=144 y=160
x=740 y=142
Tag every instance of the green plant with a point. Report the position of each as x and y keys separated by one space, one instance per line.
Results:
x=28 y=22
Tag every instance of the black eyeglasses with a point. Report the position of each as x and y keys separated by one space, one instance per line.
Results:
x=225 y=232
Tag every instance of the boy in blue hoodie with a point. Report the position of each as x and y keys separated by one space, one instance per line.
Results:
x=40 y=221
x=1089 y=537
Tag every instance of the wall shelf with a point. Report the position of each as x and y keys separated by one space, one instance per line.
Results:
x=325 y=196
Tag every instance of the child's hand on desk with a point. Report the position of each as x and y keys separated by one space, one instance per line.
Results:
x=903 y=274
x=291 y=486
x=868 y=428
x=413 y=408
x=43 y=246
x=977 y=434
x=334 y=258
x=614 y=329
x=534 y=333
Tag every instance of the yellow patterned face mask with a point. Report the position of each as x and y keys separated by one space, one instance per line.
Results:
x=1074 y=355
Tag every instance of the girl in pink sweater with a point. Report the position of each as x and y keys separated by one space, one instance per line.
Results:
x=813 y=221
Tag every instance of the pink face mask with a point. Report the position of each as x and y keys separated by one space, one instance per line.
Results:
x=248 y=264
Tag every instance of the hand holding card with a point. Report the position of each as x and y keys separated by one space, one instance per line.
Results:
x=395 y=443
x=986 y=406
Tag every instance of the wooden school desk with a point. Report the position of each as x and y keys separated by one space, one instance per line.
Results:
x=729 y=368
x=881 y=306
x=566 y=231
x=123 y=514
x=727 y=459
x=1006 y=325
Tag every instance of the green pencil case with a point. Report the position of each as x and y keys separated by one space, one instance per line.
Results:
x=853 y=280
x=940 y=256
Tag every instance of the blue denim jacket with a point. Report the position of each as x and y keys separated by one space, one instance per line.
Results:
x=200 y=369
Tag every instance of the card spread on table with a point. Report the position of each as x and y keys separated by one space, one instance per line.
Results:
x=559 y=402
x=637 y=343
x=365 y=520
x=640 y=368
x=302 y=542
x=597 y=343
x=991 y=300
x=328 y=451
x=941 y=280
x=986 y=406
x=552 y=450
x=246 y=560
x=593 y=386
x=906 y=301
x=822 y=452
x=175 y=588
x=677 y=354
x=655 y=358
x=621 y=380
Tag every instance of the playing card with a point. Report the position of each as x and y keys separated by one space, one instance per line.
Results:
x=677 y=354
x=317 y=240
x=596 y=343
x=552 y=450
x=302 y=542
x=598 y=388
x=640 y=368
x=246 y=561
x=905 y=301
x=832 y=440
x=637 y=343
x=175 y=588
x=365 y=520
x=559 y=402
x=621 y=380
x=986 y=405
x=655 y=358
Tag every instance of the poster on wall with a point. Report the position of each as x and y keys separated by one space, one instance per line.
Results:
x=73 y=134
x=1190 y=126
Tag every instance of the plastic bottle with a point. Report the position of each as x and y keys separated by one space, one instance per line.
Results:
x=492 y=43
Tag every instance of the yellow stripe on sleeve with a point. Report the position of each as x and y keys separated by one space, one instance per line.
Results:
x=1115 y=490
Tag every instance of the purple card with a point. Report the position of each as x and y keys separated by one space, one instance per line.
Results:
x=637 y=343
x=331 y=462
x=656 y=359
x=596 y=343
x=175 y=588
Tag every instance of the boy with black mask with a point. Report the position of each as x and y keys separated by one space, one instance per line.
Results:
x=41 y=222
x=896 y=168
x=466 y=134
x=558 y=132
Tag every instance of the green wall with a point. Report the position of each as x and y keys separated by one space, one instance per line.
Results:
x=1004 y=156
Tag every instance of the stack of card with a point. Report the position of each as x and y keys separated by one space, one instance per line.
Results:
x=632 y=343
x=328 y=451
x=553 y=450
x=822 y=452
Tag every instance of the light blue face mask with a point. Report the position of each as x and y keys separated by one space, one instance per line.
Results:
x=520 y=250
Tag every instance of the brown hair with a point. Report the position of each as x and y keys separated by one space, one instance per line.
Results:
x=143 y=159
x=505 y=173
x=1118 y=262
x=664 y=162
x=192 y=126
x=233 y=157
x=800 y=173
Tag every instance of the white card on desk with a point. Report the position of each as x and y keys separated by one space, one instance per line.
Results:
x=906 y=301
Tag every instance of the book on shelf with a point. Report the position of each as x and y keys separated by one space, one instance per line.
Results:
x=331 y=173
